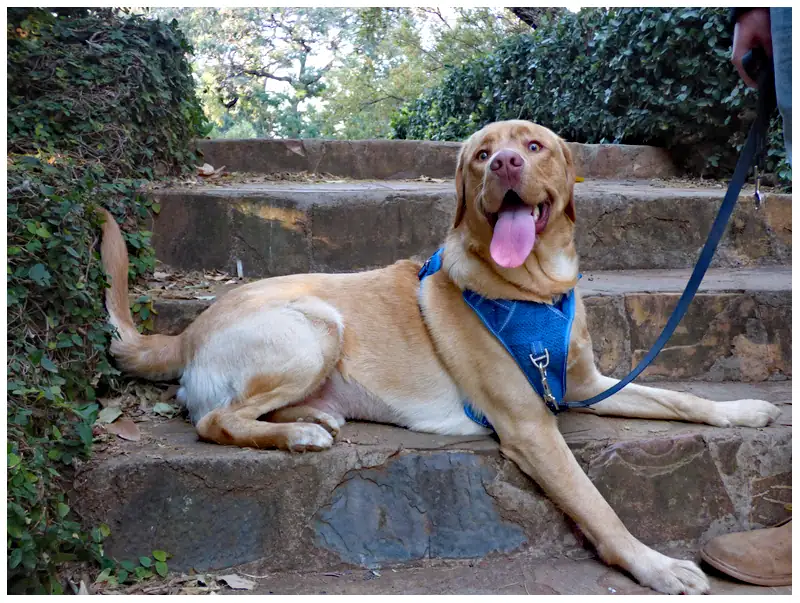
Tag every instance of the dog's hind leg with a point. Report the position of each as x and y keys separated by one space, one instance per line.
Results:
x=276 y=358
x=305 y=413
x=229 y=427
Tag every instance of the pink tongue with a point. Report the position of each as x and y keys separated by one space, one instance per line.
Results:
x=514 y=236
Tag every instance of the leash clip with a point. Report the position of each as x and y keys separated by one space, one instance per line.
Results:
x=757 y=196
x=541 y=362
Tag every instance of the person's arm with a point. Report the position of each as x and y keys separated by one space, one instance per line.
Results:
x=752 y=29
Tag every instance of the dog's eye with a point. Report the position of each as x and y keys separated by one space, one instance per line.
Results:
x=483 y=156
x=534 y=146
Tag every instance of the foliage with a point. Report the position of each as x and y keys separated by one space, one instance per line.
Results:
x=97 y=101
x=398 y=52
x=658 y=76
x=127 y=572
x=323 y=72
x=261 y=64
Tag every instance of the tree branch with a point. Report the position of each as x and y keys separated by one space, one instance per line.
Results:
x=437 y=13
x=381 y=99
x=532 y=15
x=267 y=74
x=529 y=16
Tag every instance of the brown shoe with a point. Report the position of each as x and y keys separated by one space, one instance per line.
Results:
x=762 y=557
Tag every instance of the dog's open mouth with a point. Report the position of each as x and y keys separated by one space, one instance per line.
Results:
x=516 y=225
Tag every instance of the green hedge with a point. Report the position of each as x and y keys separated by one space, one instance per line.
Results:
x=656 y=76
x=98 y=102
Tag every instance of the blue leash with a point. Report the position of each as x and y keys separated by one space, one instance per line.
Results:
x=758 y=65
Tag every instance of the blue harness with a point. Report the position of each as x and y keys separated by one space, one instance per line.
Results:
x=535 y=334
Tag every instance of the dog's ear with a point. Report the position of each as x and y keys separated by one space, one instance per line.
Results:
x=570 y=173
x=461 y=187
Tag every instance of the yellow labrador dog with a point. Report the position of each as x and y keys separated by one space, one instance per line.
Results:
x=283 y=362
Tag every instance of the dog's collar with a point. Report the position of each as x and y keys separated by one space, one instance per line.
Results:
x=535 y=334
x=434 y=263
x=431 y=265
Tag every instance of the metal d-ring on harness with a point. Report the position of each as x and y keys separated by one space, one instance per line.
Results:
x=759 y=67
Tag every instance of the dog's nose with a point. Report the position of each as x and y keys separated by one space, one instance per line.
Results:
x=507 y=165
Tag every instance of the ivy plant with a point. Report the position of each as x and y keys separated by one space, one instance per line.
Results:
x=99 y=101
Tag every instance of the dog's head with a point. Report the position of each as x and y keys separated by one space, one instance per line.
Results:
x=514 y=185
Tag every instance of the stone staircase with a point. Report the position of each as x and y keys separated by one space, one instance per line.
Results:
x=384 y=497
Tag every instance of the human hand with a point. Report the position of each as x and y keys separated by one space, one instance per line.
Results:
x=752 y=30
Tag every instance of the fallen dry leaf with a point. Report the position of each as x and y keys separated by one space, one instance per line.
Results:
x=164 y=409
x=126 y=429
x=296 y=146
x=109 y=414
x=170 y=392
x=109 y=402
x=237 y=582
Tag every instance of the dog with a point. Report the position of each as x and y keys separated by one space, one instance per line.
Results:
x=285 y=361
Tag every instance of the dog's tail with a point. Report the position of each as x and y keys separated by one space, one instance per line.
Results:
x=154 y=357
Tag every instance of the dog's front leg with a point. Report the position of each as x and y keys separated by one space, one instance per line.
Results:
x=584 y=381
x=655 y=403
x=540 y=451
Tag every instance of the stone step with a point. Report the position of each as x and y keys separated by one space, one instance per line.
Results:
x=282 y=227
x=386 y=497
x=396 y=159
x=501 y=575
x=737 y=328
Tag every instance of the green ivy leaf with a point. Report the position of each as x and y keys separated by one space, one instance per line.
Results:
x=159 y=555
x=13 y=460
x=15 y=558
x=39 y=274
x=14 y=530
x=161 y=569
x=48 y=365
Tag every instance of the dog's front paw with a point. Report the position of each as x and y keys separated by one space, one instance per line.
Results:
x=671 y=576
x=744 y=413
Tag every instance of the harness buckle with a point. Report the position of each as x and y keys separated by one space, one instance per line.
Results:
x=541 y=362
